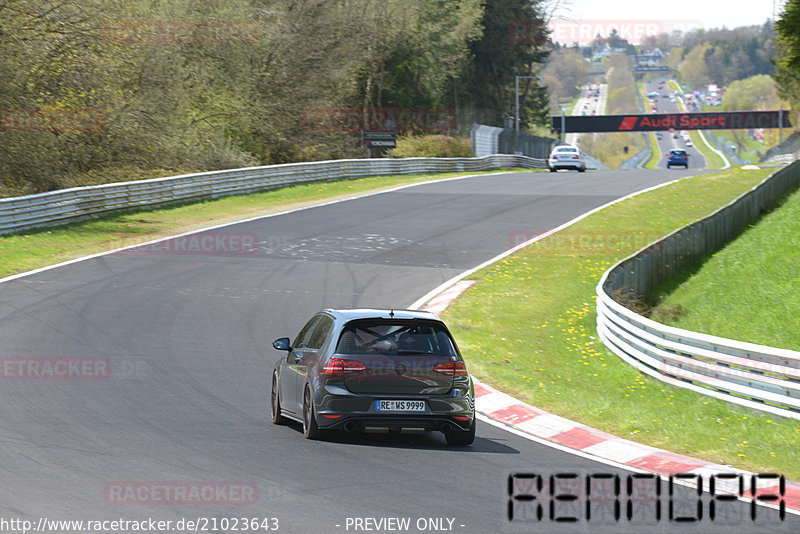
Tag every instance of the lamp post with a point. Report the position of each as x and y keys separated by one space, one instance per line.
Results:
x=516 y=98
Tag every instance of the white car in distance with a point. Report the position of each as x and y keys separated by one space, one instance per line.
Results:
x=566 y=157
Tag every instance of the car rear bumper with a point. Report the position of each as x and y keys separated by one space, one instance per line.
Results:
x=360 y=422
x=339 y=408
x=566 y=165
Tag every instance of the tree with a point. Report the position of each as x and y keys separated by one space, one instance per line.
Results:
x=787 y=64
x=754 y=93
x=693 y=69
x=563 y=74
x=498 y=57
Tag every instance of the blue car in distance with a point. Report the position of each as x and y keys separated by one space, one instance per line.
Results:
x=677 y=156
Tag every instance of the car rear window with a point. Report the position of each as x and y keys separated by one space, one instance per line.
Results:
x=390 y=337
x=566 y=150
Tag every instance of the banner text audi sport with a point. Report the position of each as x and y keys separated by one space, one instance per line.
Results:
x=724 y=120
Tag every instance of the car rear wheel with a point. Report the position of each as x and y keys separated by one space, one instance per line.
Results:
x=552 y=169
x=461 y=437
x=275 y=403
x=310 y=428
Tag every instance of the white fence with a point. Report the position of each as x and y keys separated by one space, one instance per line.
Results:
x=756 y=376
x=68 y=205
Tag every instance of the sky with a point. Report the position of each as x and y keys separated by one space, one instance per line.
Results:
x=579 y=18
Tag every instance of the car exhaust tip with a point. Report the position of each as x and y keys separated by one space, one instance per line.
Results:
x=349 y=426
x=447 y=427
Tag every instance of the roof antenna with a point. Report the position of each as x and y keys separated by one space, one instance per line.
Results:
x=391 y=313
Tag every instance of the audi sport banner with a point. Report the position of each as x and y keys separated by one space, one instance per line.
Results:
x=724 y=120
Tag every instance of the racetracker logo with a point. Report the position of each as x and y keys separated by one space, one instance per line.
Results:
x=634 y=31
x=528 y=31
x=57 y=368
x=180 y=493
x=195 y=32
x=354 y=120
x=50 y=120
x=570 y=242
x=203 y=244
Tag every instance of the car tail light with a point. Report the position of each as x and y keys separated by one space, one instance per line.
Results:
x=575 y=157
x=339 y=366
x=451 y=368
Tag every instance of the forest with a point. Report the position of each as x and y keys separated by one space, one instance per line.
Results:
x=110 y=90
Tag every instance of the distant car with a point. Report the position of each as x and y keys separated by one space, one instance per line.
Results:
x=677 y=156
x=357 y=369
x=566 y=157
x=652 y=94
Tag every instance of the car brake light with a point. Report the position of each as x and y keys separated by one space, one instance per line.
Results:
x=451 y=368
x=575 y=157
x=339 y=366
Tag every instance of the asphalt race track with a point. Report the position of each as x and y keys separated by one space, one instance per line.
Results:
x=668 y=142
x=188 y=338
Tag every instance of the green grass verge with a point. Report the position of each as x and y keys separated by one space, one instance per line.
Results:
x=713 y=160
x=747 y=148
x=655 y=153
x=747 y=290
x=32 y=249
x=528 y=327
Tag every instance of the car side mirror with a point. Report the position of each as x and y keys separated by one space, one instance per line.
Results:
x=282 y=344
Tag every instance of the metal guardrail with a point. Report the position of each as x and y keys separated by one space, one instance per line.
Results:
x=68 y=205
x=784 y=159
x=757 y=376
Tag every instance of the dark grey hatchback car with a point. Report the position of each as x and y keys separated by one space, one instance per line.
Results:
x=357 y=369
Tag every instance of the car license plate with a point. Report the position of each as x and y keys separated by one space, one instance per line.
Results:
x=400 y=405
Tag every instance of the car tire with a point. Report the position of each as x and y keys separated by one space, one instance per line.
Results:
x=275 y=403
x=582 y=169
x=552 y=169
x=669 y=166
x=310 y=428
x=461 y=438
